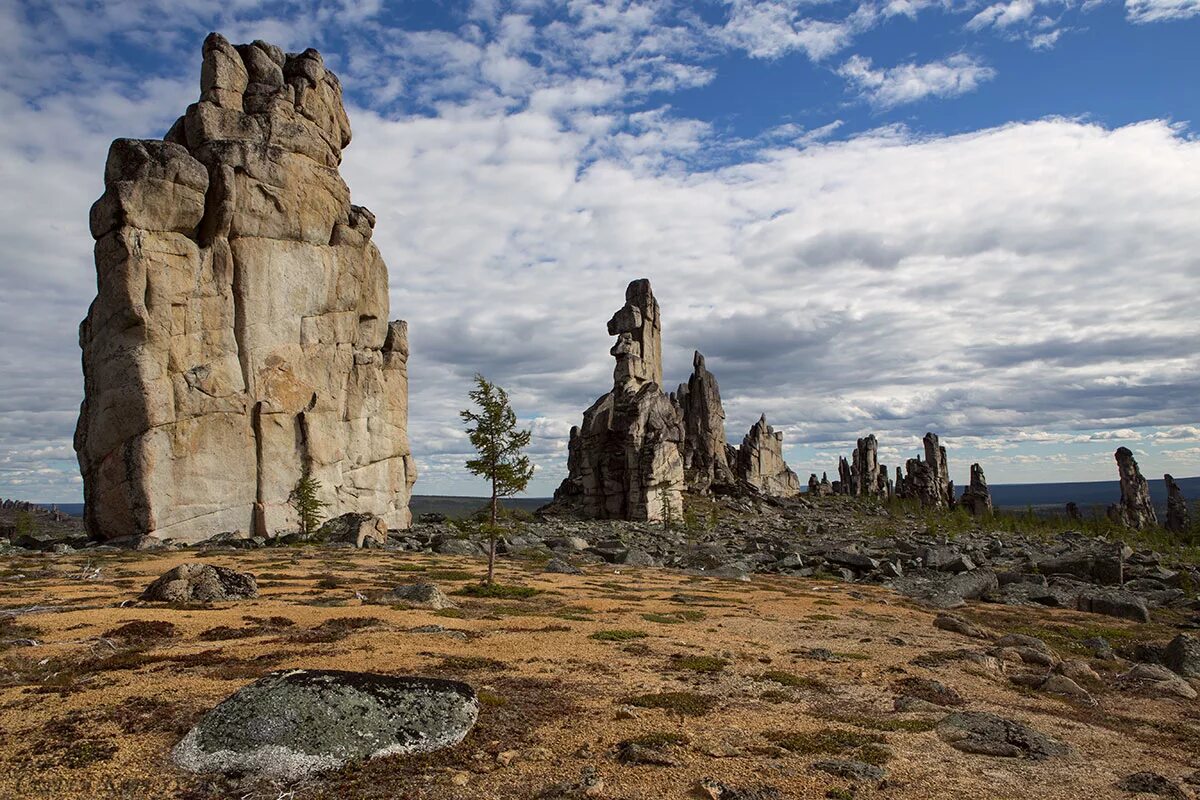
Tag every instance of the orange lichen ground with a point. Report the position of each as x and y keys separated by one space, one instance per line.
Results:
x=93 y=708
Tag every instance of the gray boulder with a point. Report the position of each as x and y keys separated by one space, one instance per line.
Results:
x=1183 y=655
x=1152 y=783
x=561 y=567
x=288 y=725
x=201 y=583
x=360 y=530
x=987 y=734
x=450 y=546
x=852 y=770
x=423 y=595
x=1114 y=603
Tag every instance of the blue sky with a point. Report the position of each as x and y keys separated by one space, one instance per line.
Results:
x=884 y=216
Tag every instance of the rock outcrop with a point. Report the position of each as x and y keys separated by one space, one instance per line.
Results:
x=845 y=481
x=1178 y=514
x=927 y=480
x=239 y=336
x=977 y=499
x=760 y=462
x=201 y=583
x=625 y=461
x=1135 y=510
x=705 y=462
x=288 y=725
x=819 y=488
x=867 y=477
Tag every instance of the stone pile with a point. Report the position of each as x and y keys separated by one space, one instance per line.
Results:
x=1135 y=510
x=239 y=337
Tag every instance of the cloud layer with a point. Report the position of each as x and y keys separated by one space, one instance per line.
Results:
x=1026 y=290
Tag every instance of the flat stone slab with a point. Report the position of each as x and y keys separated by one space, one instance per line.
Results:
x=290 y=724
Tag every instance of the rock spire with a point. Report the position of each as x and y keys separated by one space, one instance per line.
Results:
x=927 y=480
x=625 y=461
x=705 y=462
x=1135 y=510
x=1178 y=514
x=239 y=337
x=977 y=499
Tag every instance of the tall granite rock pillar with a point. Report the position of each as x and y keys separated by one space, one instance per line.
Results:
x=867 y=477
x=1135 y=510
x=1178 y=514
x=625 y=461
x=927 y=480
x=977 y=499
x=705 y=462
x=239 y=337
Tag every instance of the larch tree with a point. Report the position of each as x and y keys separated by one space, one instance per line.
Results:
x=492 y=429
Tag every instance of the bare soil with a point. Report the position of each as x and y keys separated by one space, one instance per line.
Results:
x=97 y=687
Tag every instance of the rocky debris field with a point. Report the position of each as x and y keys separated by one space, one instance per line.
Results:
x=597 y=674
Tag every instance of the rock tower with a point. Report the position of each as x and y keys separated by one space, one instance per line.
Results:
x=625 y=461
x=705 y=462
x=240 y=334
x=1135 y=510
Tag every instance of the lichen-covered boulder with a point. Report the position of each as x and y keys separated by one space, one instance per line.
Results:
x=291 y=724
x=987 y=734
x=201 y=583
x=423 y=595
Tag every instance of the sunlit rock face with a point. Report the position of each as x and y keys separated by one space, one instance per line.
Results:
x=239 y=335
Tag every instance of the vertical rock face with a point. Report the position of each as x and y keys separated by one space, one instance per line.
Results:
x=863 y=474
x=927 y=480
x=845 y=481
x=1178 y=515
x=1135 y=509
x=704 y=458
x=625 y=461
x=760 y=462
x=864 y=468
x=239 y=335
x=977 y=499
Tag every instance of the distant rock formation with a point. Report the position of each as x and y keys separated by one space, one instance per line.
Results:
x=845 y=481
x=705 y=462
x=819 y=488
x=1178 y=514
x=1135 y=510
x=927 y=481
x=760 y=462
x=977 y=499
x=239 y=336
x=625 y=461
x=863 y=475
